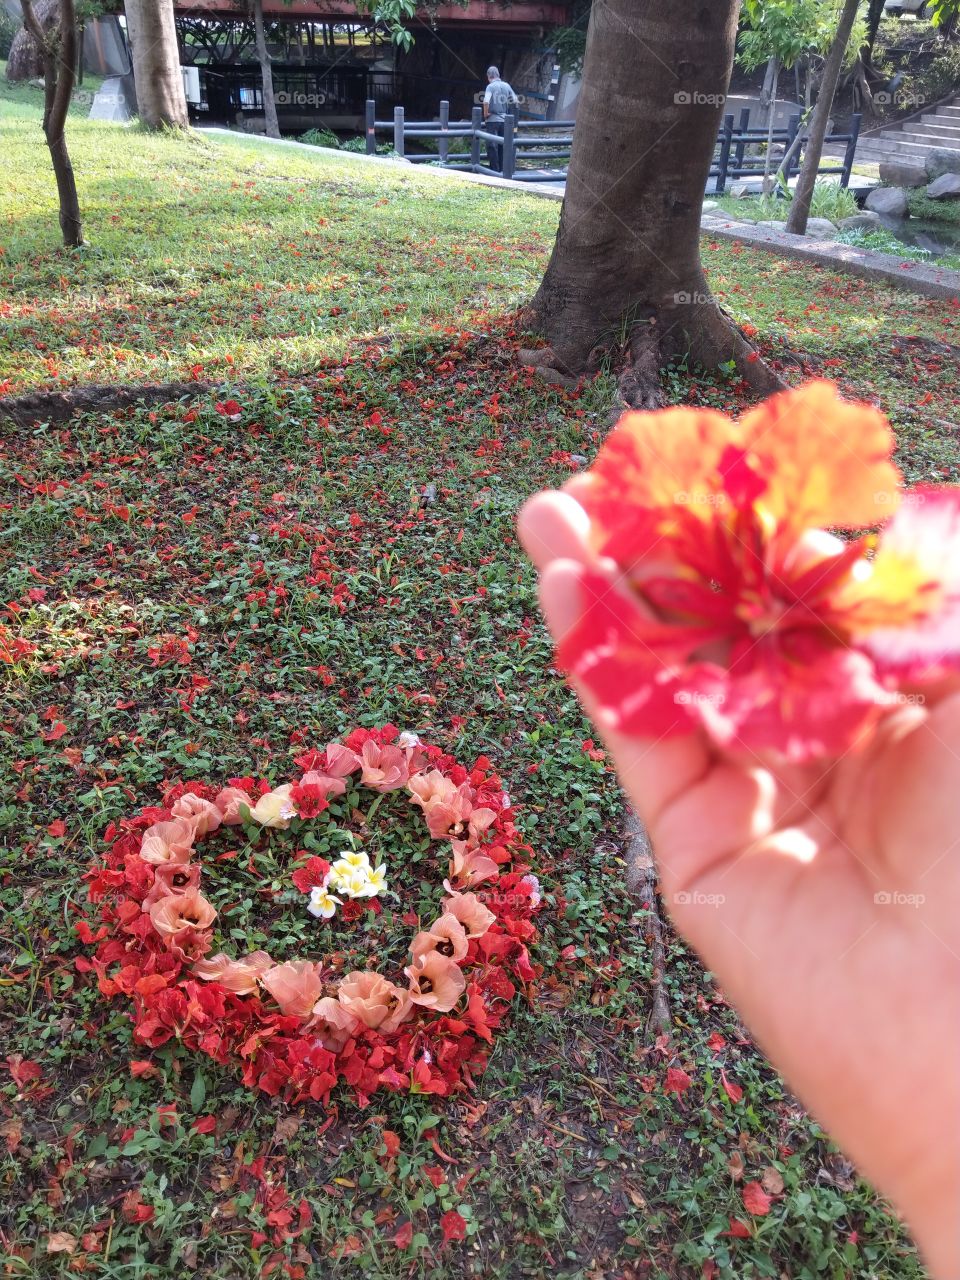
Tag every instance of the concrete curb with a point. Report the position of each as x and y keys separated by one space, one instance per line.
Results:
x=882 y=268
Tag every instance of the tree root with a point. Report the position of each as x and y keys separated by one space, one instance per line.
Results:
x=60 y=406
x=642 y=883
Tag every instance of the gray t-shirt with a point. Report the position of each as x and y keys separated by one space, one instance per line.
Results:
x=500 y=97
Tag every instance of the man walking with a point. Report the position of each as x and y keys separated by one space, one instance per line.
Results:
x=497 y=100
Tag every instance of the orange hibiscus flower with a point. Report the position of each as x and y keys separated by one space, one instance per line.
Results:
x=716 y=598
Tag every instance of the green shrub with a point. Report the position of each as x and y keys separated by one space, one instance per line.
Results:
x=921 y=206
x=322 y=138
x=9 y=27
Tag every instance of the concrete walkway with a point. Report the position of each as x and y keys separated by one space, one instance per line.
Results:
x=883 y=268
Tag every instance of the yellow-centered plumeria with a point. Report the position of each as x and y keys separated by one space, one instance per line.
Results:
x=351 y=876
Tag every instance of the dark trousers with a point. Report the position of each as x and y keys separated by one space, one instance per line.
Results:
x=494 y=150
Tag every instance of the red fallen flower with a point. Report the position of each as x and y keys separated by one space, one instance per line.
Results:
x=313 y=872
x=453 y=1226
x=718 y=601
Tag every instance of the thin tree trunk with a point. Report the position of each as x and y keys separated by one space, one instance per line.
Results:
x=625 y=272
x=266 y=73
x=771 y=115
x=59 y=53
x=152 y=29
x=800 y=206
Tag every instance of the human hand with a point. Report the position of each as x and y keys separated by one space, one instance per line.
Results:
x=825 y=897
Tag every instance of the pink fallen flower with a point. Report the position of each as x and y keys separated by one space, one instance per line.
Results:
x=295 y=985
x=168 y=842
x=436 y=982
x=239 y=976
x=374 y=1001
x=203 y=814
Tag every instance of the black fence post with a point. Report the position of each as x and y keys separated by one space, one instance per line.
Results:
x=371 y=127
x=726 y=139
x=443 y=144
x=743 y=126
x=509 y=158
x=398 y=130
x=476 y=123
x=851 y=150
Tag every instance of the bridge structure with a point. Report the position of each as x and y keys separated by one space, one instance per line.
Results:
x=328 y=60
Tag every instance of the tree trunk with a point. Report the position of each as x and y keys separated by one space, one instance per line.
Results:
x=874 y=18
x=800 y=207
x=58 y=50
x=771 y=116
x=266 y=73
x=625 y=270
x=156 y=64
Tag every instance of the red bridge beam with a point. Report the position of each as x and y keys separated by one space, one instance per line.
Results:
x=478 y=13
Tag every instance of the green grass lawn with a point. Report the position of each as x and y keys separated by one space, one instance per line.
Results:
x=363 y=319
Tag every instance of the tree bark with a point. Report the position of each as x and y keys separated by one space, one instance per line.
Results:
x=152 y=29
x=800 y=206
x=771 y=116
x=625 y=270
x=266 y=73
x=58 y=49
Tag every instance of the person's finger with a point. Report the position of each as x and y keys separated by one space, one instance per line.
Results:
x=653 y=771
x=553 y=526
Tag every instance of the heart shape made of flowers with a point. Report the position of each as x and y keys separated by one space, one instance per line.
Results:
x=296 y=1026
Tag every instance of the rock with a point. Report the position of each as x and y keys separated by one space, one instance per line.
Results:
x=865 y=221
x=708 y=205
x=821 y=227
x=940 y=160
x=772 y=226
x=946 y=187
x=897 y=173
x=889 y=200
x=740 y=191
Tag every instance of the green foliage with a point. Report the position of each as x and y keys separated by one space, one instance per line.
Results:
x=830 y=200
x=320 y=138
x=790 y=30
x=944 y=12
x=921 y=206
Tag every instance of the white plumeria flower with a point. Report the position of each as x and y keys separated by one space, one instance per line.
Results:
x=349 y=864
x=322 y=904
x=376 y=882
x=408 y=739
x=355 y=885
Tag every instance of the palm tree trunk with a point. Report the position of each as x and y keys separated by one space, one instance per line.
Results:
x=266 y=73
x=625 y=272
x=800 y=206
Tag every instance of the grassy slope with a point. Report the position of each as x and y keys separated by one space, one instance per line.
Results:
x=123 y=530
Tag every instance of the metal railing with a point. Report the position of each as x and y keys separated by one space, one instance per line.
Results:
x=732 y=161
x=522 y=142
x=526 y=144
